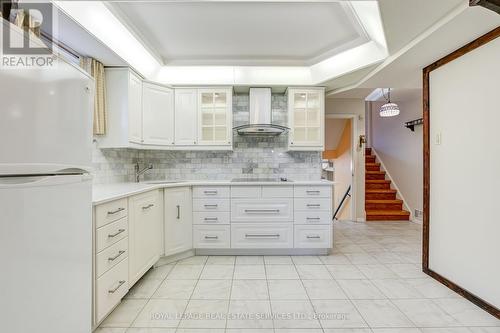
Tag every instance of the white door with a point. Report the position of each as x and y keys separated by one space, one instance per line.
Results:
x=186 y=119
x=45 y=119
x=157 y=115
x=46 y=254
x=145 y=233
x=178 y=220
x=135 y=108
x=215 y=117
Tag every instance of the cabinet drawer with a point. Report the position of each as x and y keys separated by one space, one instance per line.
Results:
x=211 y=205
x=261 y=236
x=312 y=191
x=261 y=210
x=246 y=191
x=211 y=236
x=111 y=256
x=211 y=192
x=211 y=217
x=277 y=191
x=312 y=217
x=111 y=233
x=312 y=204
x=110 y=289
x=109 y=212
x=313 y=236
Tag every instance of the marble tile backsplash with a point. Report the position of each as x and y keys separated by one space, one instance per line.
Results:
x=252 y=157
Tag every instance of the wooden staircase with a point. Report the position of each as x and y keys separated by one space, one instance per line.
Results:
x=380 y=200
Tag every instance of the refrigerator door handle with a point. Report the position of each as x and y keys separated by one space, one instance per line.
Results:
x=45 y=180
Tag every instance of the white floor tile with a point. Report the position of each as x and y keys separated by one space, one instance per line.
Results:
x=125 y=313
x=466 y=312
x=306 y=260
x=323 y=289
x=313 y=272
x=377 y=271
x=249 y=314
x=175 y=289
x=217 y=272
x=381 y=314
x=205 y=314
x=249 y=272
x=212 y=289
x=249 y=290
x=221 y=260
x=184 y=272
x=396 y=288
x=294 y=314
x=249 y=260
x=286 y=290
x=144 y=288
x=425 y=313
x=360 y=289
x=196 y=260
x=338 y=314
x=343 y=272
x=281 y=272
x=161 y=313
x=278 y=260
x=430 y=288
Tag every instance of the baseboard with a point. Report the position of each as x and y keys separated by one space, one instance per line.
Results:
x=174 y=257
x=257 y=252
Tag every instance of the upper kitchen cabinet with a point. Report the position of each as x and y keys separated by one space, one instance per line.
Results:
x=306 y=114
x=186 y=116
x=215 y=117
x=157 y=115
x=124 y=108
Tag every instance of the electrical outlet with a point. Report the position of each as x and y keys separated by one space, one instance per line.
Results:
x=437 y=140
x=419 y=214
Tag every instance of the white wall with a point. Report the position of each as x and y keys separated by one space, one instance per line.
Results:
x=401 y=149
x=464 y=239
x=356 y=107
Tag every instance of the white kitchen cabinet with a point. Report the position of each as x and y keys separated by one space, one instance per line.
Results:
x=145 y=233
x=215 y=117
x=178 y=220
x=124 y=109
x=186 y=116
x=157 y=115
x=306 y=114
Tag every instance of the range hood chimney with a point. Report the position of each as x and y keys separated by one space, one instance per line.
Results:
x=260 y=120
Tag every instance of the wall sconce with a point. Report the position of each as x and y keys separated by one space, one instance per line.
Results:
x=361 y=141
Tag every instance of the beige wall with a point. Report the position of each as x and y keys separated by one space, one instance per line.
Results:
x=401 y=149
x=343 y=171
x=356 y=107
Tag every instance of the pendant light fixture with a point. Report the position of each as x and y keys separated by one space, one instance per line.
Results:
x=389 y=109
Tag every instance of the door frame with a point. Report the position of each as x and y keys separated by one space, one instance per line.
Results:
x=354 y=156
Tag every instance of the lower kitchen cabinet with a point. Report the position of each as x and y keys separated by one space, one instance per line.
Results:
x=145 y=233
x=178 y=220
x=212 y=236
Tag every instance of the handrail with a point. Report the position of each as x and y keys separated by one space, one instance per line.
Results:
x=342 y=202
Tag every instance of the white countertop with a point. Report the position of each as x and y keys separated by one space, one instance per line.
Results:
x=108 y=192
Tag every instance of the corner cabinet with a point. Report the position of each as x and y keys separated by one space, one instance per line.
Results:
x=306 y=114
x=215 y=117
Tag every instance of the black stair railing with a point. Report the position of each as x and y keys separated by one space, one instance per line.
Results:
x=347 y=194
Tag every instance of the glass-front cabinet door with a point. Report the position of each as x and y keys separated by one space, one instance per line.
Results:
x=306 y=113
x=215 y=116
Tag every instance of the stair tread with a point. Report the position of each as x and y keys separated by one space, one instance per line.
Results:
x=384 y=201
x=381 y=191
x=375 y=172
x=388 y=212
x=372 y=164
x=378 y=181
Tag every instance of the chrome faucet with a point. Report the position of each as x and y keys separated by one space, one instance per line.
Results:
x=139 y=172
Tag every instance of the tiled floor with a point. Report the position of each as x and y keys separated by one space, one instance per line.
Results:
x=372 y=282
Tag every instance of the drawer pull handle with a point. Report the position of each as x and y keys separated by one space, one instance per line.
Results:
x=120 y=283
x=313 y=205
x=211 y=206
x=313 y=218
x=312 y=192
x=211 y=219
x=313 y=237
x=116 y=257
x=211 y=237
x=262 y=235
x=262 y=210
x=178 y=212
x=121 y=209
x=116 y=233
x=211 y=192
x=148 y=206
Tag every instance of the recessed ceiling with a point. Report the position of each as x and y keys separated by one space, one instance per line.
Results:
x=242 y=33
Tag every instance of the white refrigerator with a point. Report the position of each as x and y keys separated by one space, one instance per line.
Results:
x=45 y=200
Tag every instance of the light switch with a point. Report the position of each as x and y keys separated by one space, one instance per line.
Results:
x=437 y=139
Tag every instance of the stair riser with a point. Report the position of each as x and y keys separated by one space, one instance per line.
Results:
x=387 y=218
x=375 y=176
x=383 y=206
x=372 y=168
x=380 y=196
x=368 y=151
x=378 y=186
x=369 y=159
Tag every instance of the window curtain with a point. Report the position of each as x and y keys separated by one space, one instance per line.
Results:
x=96 y=70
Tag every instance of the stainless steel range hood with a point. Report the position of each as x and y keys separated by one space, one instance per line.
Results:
x=260 y=121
